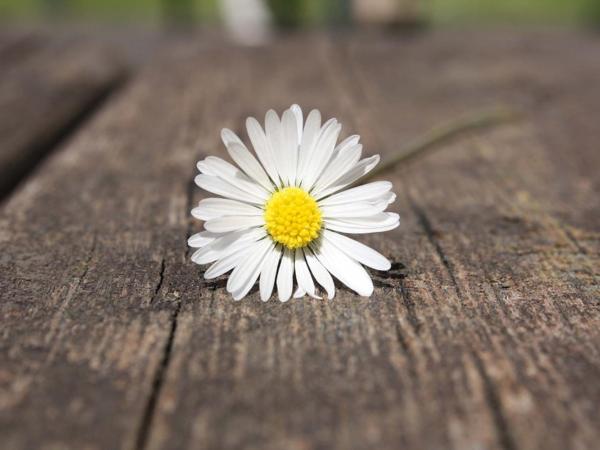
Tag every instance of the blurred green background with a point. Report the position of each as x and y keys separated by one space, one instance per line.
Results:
x=307 y=12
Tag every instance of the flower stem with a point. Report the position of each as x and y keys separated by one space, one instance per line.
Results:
x=441 y=133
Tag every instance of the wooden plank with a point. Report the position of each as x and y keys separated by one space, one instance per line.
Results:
x=16 y=44
x=88 y=248
x=47 y=86
x=500 y=212
x=483 y=335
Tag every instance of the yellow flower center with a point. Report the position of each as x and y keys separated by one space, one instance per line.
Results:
x=292 y=217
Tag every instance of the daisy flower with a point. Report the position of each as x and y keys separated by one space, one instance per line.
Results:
x=284 y=215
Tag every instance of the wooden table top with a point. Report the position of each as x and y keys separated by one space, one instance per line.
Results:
x=485 y=334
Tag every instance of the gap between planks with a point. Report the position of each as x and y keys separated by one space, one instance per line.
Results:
x=40 y=150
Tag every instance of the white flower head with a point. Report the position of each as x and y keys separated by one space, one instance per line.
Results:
x=282 y=216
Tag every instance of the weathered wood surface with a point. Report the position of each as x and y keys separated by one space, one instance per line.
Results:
x=485 y=334
x=47 y=85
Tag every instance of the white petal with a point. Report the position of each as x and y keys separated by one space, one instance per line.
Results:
x=269 y=272
x=245 y=274
x=339 y=166
x=202 y=239
x=358 y=251
x=229 y=137
x=233 y=223
x=365 y=192
x=358 y=209
x=342 y=147
x=311 y=131
x=285 y=276
x=359 y=225
x=299 y=293
x=359 y=170
x=321 y=154
x=235 y=177
x=303 y=276
x=275 y=140
x=389 y=198
x=205 y=168
x=350 y=141
x=230 y=261
x=298 y=114
x=290 y=145
x=219 y=166
x=248 y=163
x=210 y=208
x=320 y=273
x=345 y=269
x=227 y=244
x=223 y=188
x=262 y=148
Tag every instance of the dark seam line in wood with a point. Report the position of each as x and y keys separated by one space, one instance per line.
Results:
x=85 y=270
x=88 y=260
x=408 y=352
x=426 y=224
x=161 y=278
x=158 y=382
x=574 y=241
x=42 y=149
x=159 y=377
x=504 y=436
x=401 y=340
x=410 y=308
x=496 y=290
x=493 y=400
x=81 y=278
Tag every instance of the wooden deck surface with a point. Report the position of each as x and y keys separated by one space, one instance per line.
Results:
x=47 y=86
x=484 y=335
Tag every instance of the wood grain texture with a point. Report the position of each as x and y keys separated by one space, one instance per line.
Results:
x=84 y=246
x=483 y=335
x=47 y=85
x=501 y=211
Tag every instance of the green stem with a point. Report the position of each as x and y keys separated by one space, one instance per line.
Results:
x=442 y=133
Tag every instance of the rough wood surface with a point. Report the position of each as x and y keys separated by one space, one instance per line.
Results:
x=47 y=85
x=485 y=333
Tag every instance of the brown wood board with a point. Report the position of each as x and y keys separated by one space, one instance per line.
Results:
x=483 y=335
x=47 y=85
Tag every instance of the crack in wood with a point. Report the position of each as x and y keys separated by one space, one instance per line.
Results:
x=88 y=260
x=431 y=236
x=395 y=273
x=161 y=278
x=493 y=400
x=56 y=322
x=158 y=381
x=213 y=285
x=574 y=241
x=409 y=304
x=160 y=374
